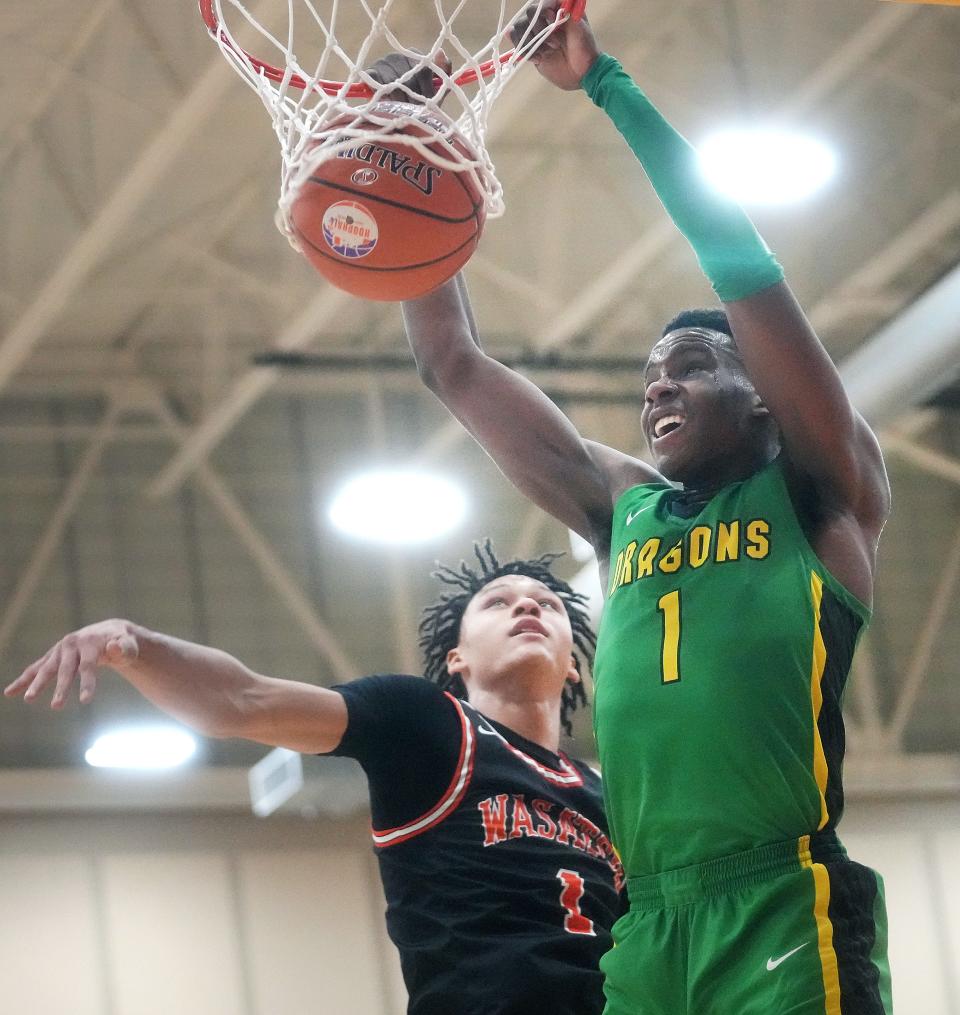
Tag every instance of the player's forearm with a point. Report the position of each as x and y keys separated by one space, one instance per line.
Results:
x=731 y=253
x=203 y=687
x=441 y=332
x=532 y=442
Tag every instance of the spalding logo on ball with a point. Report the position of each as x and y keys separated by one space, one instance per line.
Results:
x=384 y=223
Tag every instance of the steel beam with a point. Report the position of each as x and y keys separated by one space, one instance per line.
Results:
x=53 y=81
x=910 y=358
x=261 y=553
x=940 y=603
x=934 y=462
x=112 y=218
x=863 y=686
x=250 y=387
x=869 y=282
x=530 y=529
x=56 y=527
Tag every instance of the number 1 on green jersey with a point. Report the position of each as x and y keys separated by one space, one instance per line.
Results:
x=669 y=607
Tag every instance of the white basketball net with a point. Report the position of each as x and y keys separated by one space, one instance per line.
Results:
x=307 y=97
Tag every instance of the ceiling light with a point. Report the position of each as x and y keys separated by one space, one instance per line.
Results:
x=398 y=506
x=142 y=747
x=766 y=166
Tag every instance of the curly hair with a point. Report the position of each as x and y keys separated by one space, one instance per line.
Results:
x=440 y=626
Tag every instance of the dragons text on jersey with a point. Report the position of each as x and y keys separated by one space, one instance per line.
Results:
x=720 y=542
x=724 y=629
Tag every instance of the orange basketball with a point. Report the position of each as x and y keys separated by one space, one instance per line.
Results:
x=381 y=221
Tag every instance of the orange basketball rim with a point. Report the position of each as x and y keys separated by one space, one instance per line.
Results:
x=575 y=9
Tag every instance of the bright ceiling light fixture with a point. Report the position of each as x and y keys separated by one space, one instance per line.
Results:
x=398 y=506
x=142 y=747
x=765 y=166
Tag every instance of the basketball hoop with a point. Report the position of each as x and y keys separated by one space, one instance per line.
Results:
x=303 y=103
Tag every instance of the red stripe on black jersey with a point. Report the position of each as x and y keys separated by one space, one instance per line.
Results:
x=450 y=799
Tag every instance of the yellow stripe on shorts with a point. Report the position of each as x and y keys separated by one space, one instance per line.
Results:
x=821 y=912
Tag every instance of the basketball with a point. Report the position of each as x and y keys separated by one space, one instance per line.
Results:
x=383 y=222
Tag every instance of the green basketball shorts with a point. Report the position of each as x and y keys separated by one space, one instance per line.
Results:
x=792 y=928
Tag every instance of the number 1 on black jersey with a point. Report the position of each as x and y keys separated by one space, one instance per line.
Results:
x=574 y=922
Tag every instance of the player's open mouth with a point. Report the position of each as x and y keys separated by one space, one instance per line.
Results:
x=667 y=425
x=528 y=626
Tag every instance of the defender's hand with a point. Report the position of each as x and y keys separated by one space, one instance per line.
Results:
x=566 y=55
x=108 y=643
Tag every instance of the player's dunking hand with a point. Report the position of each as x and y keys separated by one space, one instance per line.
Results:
x=566 y=55
x=79 y=654
x=395 y=66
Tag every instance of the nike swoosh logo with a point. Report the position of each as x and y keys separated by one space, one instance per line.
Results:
x=773 y=963
x=630 y=517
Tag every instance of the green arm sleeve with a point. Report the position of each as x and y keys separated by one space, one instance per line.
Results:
x=731 y=252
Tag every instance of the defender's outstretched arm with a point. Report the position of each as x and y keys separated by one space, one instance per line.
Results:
x=208 y=690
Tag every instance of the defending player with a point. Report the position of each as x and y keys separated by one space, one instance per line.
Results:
x=740 y=577
x=501 y=883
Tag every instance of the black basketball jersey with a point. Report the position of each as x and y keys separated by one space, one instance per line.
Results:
x=501 y=882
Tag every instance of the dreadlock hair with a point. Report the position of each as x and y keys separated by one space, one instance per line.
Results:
x=440 y=626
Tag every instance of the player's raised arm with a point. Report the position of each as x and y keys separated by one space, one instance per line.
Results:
x=825 y=439
x=208 y=690
x=530 y=439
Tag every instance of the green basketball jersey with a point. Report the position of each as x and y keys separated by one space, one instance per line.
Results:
x=721 y=663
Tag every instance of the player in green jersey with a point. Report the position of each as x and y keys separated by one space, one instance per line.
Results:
x=740 y=575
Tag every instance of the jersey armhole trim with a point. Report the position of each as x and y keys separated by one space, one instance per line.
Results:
x=450 y=800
